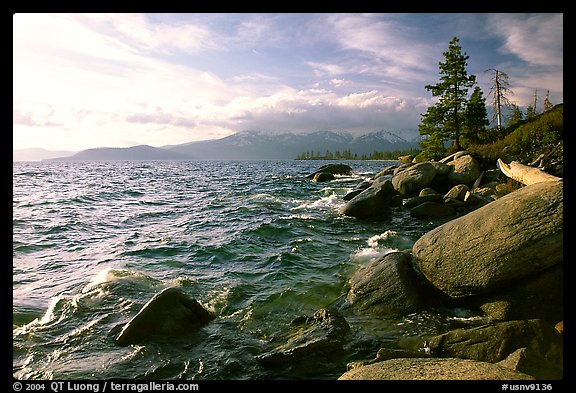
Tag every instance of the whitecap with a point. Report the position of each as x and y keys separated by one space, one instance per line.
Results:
x=370 y=253
x=381 y=245
x=325 y=202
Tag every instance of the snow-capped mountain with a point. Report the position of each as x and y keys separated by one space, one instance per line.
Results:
x=262 y=145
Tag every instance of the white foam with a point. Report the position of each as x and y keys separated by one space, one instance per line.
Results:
x=329 y=201
x=369 y=254
x=382 y=244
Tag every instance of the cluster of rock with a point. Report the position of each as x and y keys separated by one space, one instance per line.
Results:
x=501 y=254
x=449 y=187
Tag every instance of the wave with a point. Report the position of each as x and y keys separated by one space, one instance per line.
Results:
x=381 y=245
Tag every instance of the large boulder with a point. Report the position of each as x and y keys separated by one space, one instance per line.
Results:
x=389 y=285
x=170 y=313
x=414 y=178
x=433 y=369
x=373 y=202
x=509 y=239
x=466 y=170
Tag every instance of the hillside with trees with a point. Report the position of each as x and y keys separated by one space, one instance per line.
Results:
x=459 y=121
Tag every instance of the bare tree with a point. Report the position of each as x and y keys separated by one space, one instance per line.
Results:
x=499 y=92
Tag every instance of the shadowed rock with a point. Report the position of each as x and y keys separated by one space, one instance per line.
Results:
x=335 y=169
x=316 y=342
x=169 y=313
x=389 y=285
x=433 y=369
x=495 y=342
x=373 y=202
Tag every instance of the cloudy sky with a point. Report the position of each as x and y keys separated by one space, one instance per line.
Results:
x=119 y=80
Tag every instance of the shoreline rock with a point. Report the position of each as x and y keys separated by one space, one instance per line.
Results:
x=500 y=253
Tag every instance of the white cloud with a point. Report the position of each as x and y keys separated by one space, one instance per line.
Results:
x=536 y=39
x=86 y=80
x=388 y=46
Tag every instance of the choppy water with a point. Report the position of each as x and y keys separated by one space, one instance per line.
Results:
x=256 y=242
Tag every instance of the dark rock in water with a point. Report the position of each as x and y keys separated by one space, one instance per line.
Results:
x=169 y=313
x=323 y=177
x=357 y=190
x=352 y=194
x=316 y=342
x=413 y=202
x=373 y=202
x=335 y=169
x=389 y=285
x=388 y=171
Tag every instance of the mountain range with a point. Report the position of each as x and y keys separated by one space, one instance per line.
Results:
x=243 y=145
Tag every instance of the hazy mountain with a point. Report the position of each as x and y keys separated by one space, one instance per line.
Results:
x=261 y=145
x=36 y=154
x=141 y=152
x=255 y=145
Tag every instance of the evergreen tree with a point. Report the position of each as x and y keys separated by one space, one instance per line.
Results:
x=515 y=116
x=433 y=147
x=445 y=119
x=530 y=112
x=547 y=103
x=475 y=117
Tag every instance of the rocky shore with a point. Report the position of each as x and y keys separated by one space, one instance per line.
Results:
x=500 y=251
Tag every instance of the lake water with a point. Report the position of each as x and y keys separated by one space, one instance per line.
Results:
x=255 y=242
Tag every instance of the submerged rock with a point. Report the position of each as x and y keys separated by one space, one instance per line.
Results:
x=169 y=313
x=315 y=343
x=335 y=169
x=323 y=177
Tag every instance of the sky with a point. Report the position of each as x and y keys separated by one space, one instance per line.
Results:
x=120 y=79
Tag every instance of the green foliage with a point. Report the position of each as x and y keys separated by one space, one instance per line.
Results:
x=475 y=118
x=446 y=119
x=526 y=138
x=347 y=155
x=433 y=147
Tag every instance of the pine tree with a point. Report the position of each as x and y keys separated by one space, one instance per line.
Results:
x=515 y=116
x=445 y=120
x=475 y=117
x=530 y=112
x=547 y=103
